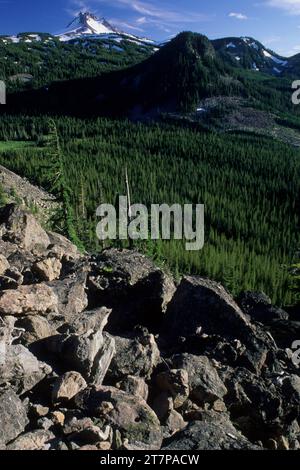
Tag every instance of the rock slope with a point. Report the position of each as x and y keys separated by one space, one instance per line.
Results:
x=31 y=195
x=106 y=352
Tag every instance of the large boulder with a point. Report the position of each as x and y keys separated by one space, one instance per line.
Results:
x=13 y=416
x=204 y=382
x=176 y=383
x=129 y=283
x=28 y=300
x=48 y=269
x=20 y=227
x=62 y=247
x=4 y=264
x=134 y=356
x=202 y=308
x=83 y=347
x=259 y=307
x=201 y=304
x=130 y=415
x=67 y=386
x=39 y=439
x=71 y=294
x=21 y=369
x=34 y=328
x=134 y=386
x=200 y=435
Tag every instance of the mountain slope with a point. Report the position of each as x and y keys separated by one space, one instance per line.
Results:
x=183 y=71
x=84 y=25
x=40 y=62
x=250 y=54
x=176 y=79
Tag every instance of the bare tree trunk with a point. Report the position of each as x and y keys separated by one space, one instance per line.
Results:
x=131 y=245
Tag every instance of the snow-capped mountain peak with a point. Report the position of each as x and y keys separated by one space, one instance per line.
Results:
x=86 y=24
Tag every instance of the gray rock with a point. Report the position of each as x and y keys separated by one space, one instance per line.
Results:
x=203 y=304
x=4 y=264
x=204 y=381
x=28 y=300
x=71 y=294
x=129 y=283
x=146 y=356
x=89 y=351
x=20 y=227
x=200 y=435
x=21 y=369
x=48 y=269
x=35 y=328
x=134 y=419
x=134 y=386
x=67 y=386
x=35 y=440
x=13 y=416
x=176 y=383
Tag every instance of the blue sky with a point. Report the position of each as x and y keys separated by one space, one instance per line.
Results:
x=276 y=23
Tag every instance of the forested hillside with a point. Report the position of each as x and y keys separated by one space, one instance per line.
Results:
x=39 y=63
x=249 y=185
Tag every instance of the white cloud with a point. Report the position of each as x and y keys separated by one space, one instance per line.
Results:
x=165 y=18
x=148 y=9
x=124 y=25
x=141 y=20
x=238 y=16
x=290 y=6
x=271 y=40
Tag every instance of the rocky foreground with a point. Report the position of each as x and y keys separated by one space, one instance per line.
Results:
x=106 y=352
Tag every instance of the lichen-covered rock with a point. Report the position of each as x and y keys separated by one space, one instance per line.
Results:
x=83 y=347
x=67 y=386
x=146 y=356
x=34 y=328
x=13 y=416
x=204 y=382
x=20 y=368
x=35 y=440
x=4 y=264
x=134 y=386
x=48 y=269
x=20 y=227
x=201 y=435
x=28 y=300
x=176 y=383
x=136 y=422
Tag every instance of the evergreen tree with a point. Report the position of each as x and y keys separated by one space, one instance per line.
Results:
x=63 y=219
